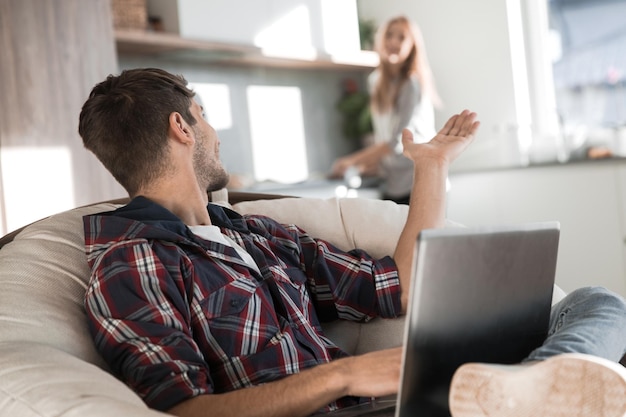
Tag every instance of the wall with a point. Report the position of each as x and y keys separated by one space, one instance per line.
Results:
x=53 y=52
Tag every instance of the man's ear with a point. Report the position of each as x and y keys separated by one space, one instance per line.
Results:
x=179 y=128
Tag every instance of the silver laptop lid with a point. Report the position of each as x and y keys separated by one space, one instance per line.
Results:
x=478 y=295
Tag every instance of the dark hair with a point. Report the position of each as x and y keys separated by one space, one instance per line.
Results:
x=125 y=122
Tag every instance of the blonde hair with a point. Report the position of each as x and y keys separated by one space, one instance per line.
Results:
x=385 y=93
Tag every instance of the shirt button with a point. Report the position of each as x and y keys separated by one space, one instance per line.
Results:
x=234 y=303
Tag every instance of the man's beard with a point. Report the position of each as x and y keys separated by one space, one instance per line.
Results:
x=209 y=171
x=218 y=182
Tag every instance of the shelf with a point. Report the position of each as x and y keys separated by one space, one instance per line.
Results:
x=171 y=46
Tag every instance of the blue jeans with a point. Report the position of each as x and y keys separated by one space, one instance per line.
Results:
x=590 y=320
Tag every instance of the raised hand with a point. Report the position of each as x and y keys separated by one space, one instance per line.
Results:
x=448 y=144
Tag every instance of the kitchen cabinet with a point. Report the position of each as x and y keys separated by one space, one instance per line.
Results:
x=588 y=198
x=318 y=34
x=171 y=46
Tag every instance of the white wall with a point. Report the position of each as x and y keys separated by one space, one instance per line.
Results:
x=469 y=48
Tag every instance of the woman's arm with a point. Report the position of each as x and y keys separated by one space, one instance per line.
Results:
x=366 y=160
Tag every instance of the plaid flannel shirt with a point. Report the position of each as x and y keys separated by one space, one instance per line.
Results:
x=176 y=316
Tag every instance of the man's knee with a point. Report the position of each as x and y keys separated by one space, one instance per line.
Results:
x=595 y=298
x=600 y=294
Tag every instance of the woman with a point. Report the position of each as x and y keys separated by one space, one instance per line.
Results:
x=402 y=95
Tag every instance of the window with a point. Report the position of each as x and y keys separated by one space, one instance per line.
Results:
x=587 y=45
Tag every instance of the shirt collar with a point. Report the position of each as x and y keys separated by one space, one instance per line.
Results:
x=147 y=211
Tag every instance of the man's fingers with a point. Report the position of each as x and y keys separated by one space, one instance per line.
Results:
x=473 y=128
x=460 y=123
x=445 y=130
x=456 y=127
x=463 y=124
x=467 y=123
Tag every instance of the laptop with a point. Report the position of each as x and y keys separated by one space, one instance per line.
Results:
x=477 y=295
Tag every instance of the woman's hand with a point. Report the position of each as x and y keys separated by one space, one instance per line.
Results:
x=340 y=166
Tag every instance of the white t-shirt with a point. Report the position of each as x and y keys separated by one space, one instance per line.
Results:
x=214 y=234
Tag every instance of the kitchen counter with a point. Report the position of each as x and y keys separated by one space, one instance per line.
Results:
x=587 y=197
x=547 y=164
x=318 y=188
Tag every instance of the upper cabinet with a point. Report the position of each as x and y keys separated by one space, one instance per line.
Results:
x=284 y=33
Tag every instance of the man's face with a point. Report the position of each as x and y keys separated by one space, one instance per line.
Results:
x=209 y=170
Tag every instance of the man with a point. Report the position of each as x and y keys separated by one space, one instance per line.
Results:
x=203 y=312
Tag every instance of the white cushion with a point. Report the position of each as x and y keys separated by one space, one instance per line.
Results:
x=369 y=224
x=38 y=380
x=43 y=276
x=336 y=220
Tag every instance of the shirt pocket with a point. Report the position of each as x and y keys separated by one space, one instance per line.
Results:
x=233 y=322
x=228 y=300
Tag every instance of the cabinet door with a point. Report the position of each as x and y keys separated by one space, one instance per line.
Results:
x=279 y=27
x=585 y=199
x=221 y=20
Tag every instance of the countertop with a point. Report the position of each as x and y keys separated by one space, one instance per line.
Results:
x=546 y=164
x=318 y=188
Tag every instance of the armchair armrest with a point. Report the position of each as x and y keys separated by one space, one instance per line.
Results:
x=40 y=380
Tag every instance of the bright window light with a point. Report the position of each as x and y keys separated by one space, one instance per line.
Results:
x=341 y=33
x=277 y=133
x=41 y=183
x=555 y=45
x=289 y=36
x=215 y=98
x=518 y=63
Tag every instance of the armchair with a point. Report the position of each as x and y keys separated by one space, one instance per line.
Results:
x=48 y=364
